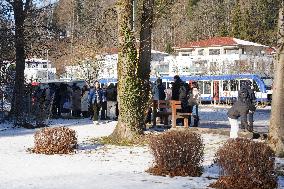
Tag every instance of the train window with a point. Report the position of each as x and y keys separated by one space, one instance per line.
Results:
x=234 y=85
x=207 y=87
x=200 y=85
x=225 y=85
x=255 y=87
x=243 y=83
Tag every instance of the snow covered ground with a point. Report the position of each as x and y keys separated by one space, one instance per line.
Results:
x=104 y=167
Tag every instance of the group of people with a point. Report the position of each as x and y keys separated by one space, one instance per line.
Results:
x=244 y=109
x=188 y=94
x=65 y=100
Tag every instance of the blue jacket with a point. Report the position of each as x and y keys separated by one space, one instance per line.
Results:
x=95 y=96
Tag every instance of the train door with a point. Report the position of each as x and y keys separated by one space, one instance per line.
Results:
x=216 y=91
x=201 y=89
x=207 y=91
x=224 y=95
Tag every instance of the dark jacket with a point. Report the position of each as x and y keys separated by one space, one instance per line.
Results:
x=175 y=89
x=159 y=92
x=76 y=99
x=250 y=98
x=250 y=93
x=240 y=109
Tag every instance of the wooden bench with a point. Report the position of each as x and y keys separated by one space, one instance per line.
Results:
x=170 y=107
x=176 y=105
x=157 y=105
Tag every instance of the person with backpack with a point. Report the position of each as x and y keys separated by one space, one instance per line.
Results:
x=250 y=99
x=239 y=109
x=180 y=92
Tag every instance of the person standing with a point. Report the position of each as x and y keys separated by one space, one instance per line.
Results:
x=85 y=102
x=180 y=92
x=76 y=101
x=176 y=87
x=158 y=92
x=239 y=109
x=104 y=103
x=251 y=101
x=194 y=99
x=96 y=100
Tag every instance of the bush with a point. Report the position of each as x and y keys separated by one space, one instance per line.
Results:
x=177 y=153
x=60 y=140
x=246 y=165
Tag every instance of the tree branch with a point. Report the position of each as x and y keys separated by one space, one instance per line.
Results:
x=27 y=6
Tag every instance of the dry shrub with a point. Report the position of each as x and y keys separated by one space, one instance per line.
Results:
x=246 y=165
x=59 y=140
x=177 y=153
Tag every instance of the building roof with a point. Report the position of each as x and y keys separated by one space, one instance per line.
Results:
x=115 y=51
x=219 y=41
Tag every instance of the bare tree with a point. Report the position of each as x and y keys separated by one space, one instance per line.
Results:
x=20 y=9
x=276 y=131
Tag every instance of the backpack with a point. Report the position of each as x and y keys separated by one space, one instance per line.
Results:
x=243 y=93
x=183 y=91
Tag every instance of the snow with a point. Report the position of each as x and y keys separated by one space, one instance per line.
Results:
x=247 y=43
x=104 y=166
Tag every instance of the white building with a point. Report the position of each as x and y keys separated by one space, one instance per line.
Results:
x=221 y=55
x=39 y=70
x=106 y=65
x=215 y=56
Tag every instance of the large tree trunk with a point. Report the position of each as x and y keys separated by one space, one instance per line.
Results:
x=133 y=73
x=276 y=131
x=18 y=103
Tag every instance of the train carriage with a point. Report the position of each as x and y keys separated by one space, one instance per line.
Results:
x=222 y=88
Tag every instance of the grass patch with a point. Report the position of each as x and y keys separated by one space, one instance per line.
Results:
x=109 y=140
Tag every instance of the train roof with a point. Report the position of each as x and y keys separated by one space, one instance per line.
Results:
x=219 y=77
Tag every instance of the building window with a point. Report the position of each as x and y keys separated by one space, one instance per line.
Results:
x=231 y=51
x=201 y=52
x=214 y=51
x=44 y=66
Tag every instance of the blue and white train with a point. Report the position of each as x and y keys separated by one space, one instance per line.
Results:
x=222 y=88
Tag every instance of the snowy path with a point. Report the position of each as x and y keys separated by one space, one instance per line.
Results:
x=93 y=166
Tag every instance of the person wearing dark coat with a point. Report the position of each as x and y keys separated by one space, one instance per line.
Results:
x=76 y=101
x=239 y=109
x=104 y=103
x=180 y=92
x=159 y=90
x=176 y=87
x=251 y=100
